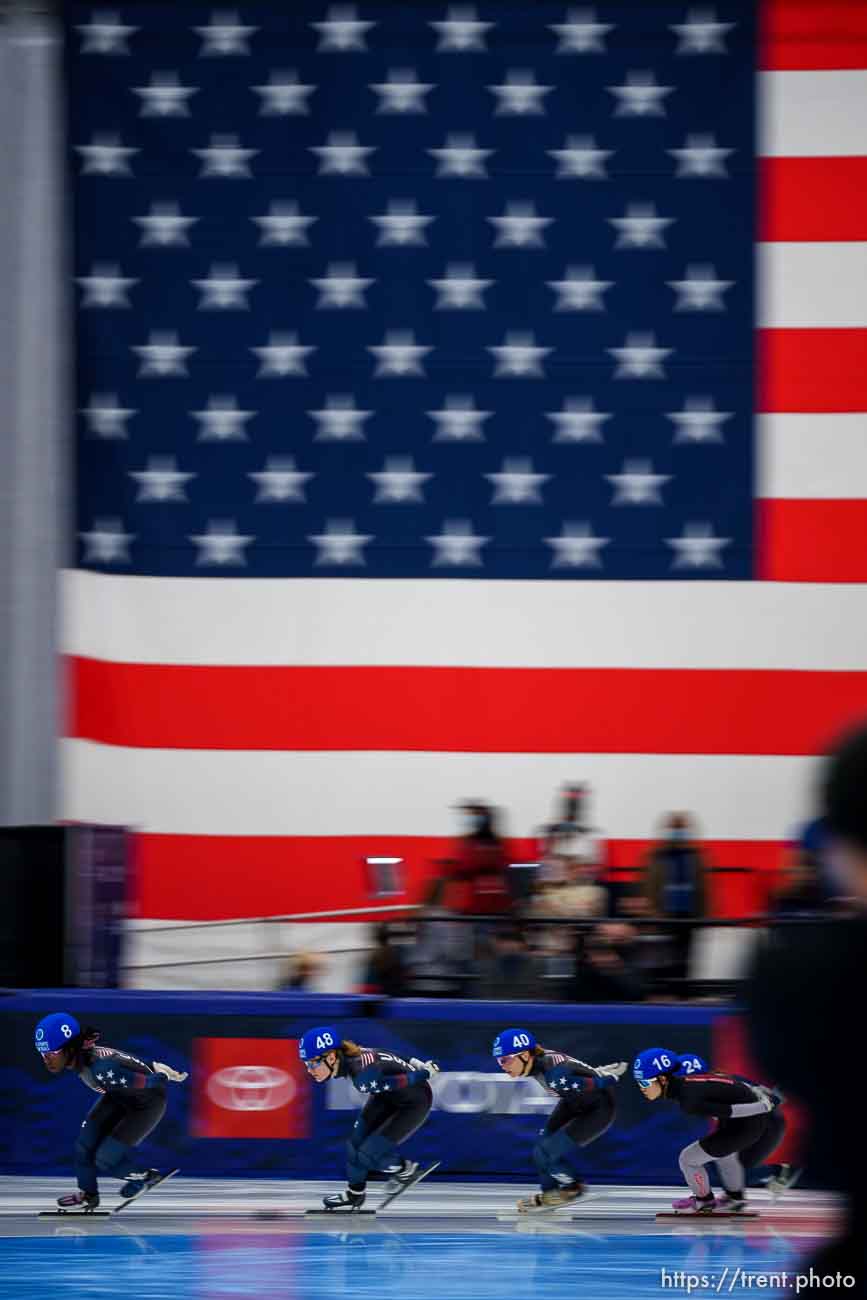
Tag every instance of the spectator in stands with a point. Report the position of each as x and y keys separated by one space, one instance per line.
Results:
x=675 y=884
x=570 y=835
x=511 y=972
x=810 y=847
x=651 y=953
x=607 y=970
x=479 y=870
x=573 y=891
x=800 y=892
x=675 y=871
x=301 y=970
x=385 y=973
x=440 y=960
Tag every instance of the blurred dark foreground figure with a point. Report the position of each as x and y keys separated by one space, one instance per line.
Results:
x=806 y=1011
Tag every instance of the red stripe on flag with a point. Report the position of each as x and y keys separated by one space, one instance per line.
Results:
x=804 y=370
x=788 y=209
x=250 y=876
x=805 y=34
x=813 y=541
x=271 y=875
x=464 y=710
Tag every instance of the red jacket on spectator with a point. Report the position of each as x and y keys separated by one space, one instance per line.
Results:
x=479 y=883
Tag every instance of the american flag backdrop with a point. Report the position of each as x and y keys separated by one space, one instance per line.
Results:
x=470 y=399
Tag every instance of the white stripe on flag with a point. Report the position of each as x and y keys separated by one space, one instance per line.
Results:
x=813 y=457
x=212 y=792
x=813 y=114
x=812 y=285
x=465 y=623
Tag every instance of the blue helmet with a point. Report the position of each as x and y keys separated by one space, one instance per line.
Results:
x=55 y=1031
x=692 y=1063
x=510 y=1041
x=653 y=1062
x=316 y=1042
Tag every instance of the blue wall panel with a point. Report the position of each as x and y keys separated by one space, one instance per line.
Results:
x=483 y=1125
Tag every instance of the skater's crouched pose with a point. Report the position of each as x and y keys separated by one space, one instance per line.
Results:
x=744 y=1136
x=779 y=1177
x=132 y=1102
x=585 y=1110
x=399 y=1101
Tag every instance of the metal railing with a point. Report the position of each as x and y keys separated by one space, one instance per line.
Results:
x=411 y=911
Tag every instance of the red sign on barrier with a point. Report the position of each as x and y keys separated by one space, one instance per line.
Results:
x=249 y=1088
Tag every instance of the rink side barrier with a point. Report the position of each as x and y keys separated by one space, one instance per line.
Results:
x=249 y=1109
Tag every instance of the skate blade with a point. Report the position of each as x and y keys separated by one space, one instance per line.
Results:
x=533 y=1211
x=578 y=1203
x=82 y=1214
x=422 y=1173
x=338 y=1213
x=129 y=1200
x=715 y=1214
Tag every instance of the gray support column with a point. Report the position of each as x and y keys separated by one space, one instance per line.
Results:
x=35 y=411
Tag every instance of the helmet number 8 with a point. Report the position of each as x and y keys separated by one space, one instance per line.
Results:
x=324 y=1040
x=66 y=1031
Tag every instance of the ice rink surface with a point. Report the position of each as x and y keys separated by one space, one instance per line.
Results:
x=211 y=1240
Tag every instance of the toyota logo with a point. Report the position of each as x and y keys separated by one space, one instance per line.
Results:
x=250 y=1087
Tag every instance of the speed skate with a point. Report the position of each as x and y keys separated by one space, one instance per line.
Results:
x=386 y=1201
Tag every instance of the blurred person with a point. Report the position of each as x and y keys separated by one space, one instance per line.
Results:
x=675 y=883
x=651 y=950
x=585 y=1110
x=301 y=970
x=800 y=892
x=742 y=1112
x=439 y=962
x=605 y=969
x=675 y=872
x=131 y=1104
x=398 y=1100
x=479 y=870
x=570 y=835
x=577 y=893
x=811 y=846
x=385 y=972
x=575 y=896
x=803 y=1010
x=511 y=971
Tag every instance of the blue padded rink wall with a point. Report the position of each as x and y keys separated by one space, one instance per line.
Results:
x=232 y=1223
x=215 y=1240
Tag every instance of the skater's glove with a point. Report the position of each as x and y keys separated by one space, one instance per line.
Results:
x=174 y=1076
x=615 y=1071
x=430 y=1066
x=762 y=1096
